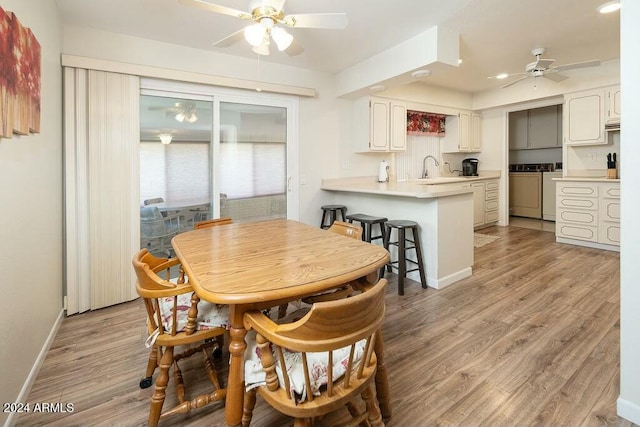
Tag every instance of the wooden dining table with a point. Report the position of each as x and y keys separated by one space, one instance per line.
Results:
x=260 y=265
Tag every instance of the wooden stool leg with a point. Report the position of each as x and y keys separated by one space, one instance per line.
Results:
x=387 y=239
x=367 y=232
x=416 y=240
x=402 y=264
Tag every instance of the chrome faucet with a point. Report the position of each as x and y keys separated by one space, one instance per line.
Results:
x=425 y=174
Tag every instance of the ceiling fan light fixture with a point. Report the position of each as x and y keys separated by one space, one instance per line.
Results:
x=254 y=34
x=165 y=138
x=180 y=116
x=282 y=38
x=608 y=7
x=262 y=49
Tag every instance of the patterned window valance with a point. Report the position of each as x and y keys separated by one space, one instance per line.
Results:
x=429 y=124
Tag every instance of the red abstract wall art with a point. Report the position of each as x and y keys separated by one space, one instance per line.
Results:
x=19 y=78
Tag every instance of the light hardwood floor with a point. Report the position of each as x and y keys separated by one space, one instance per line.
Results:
x=531 y=339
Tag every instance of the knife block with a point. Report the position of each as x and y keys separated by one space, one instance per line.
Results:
x=612 y=173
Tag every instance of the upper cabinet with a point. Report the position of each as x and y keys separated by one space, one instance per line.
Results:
x=536 y=128
x=587 y=112
x=380 y=125
x=613 y=100
x=463 y=133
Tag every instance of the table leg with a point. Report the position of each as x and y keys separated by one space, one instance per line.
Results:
x=382 y=381
x=235 y=383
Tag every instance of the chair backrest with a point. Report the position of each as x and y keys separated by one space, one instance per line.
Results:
x=152 y=201
x=212 y=223
x=337 y=327
x=347 y=229
x=152 y=288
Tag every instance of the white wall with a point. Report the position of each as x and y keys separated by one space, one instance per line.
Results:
x=629 y=401
x=31 y=215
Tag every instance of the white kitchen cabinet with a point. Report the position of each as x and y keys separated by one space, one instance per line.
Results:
x=379 y=124
x=463 y=133
x=478 y=203
x=613 y=101
x=518 y=130
x=588 y=213
x=491 y=204
x=584 y=117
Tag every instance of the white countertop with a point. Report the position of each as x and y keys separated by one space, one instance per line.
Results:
x=422 y=189
x=587 y=179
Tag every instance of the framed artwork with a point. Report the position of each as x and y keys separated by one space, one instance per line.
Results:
x=20 y=69
x=426 y=124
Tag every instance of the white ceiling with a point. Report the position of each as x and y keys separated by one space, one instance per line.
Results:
x=495 y=35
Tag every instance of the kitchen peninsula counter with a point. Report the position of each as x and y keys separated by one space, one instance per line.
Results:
x=443 y=211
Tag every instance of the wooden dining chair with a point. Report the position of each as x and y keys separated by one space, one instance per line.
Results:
x=176 y=317
x=212 y=223
x=315 y=365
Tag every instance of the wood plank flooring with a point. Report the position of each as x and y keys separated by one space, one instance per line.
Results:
x=531 y=339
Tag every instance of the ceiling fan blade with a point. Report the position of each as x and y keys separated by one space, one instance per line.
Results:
x=555 y=76
x=230 y=39
x=543 y=64
x=216 y=8
x=336 y=21
x=584 y=64
x=508 y=75
x=294 y=49
x=516 y=81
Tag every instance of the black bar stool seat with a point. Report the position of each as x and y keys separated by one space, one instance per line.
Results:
x=401 y=225
x=330 y=212
x=367 y=222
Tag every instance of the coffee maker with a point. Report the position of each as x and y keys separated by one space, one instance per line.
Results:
x=470 y=167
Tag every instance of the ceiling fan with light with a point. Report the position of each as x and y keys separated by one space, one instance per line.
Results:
x=269 y=21
x=542 y=68
x=184 y=112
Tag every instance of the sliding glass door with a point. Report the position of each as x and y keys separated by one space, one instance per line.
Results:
x=253 y=158
x=206 y=152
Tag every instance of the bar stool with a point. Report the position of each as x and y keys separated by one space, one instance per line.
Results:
x=402 y=225
x=367 y=222
x=332 y=211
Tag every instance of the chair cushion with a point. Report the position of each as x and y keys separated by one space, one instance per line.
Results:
x=209 y=315
x=317 y=363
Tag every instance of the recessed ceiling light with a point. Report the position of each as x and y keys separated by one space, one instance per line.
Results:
x=502 y=76
x=459 y=61
x=377 y=88
x=421 y=73
x=608 y=7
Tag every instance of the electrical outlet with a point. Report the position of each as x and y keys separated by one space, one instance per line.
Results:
x=346 y=164
x=593 y=157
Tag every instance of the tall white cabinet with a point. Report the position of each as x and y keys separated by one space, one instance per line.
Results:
x=586 y=113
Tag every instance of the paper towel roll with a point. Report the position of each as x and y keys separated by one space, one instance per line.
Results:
x=383 y=172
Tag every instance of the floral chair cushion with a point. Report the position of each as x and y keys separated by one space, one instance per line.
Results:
x=209 y=315
x=316 y=362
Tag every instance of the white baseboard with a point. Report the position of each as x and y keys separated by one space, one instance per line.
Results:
x=33 y=374
x=629 y=410
x=450 y=279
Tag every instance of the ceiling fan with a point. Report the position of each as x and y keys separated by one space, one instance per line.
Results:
x=181 y=111
x=542 y=68
x=269 y=21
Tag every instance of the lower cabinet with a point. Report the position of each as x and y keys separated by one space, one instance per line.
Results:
x=485 y=202
x=588 y=213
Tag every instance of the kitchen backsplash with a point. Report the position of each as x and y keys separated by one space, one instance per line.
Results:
x=409 y=163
